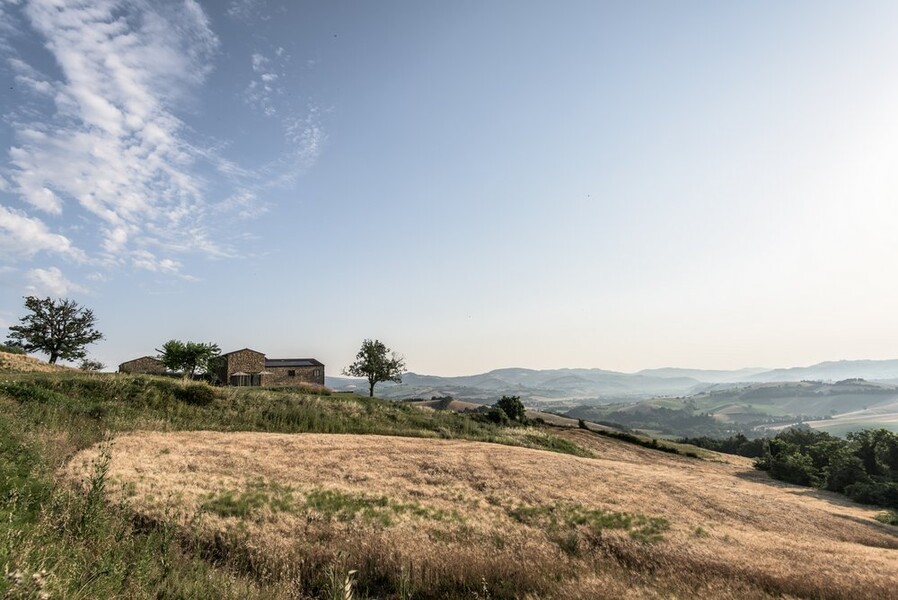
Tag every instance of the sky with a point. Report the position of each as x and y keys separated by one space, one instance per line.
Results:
x=620 y=185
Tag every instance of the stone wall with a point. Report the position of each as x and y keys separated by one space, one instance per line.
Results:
x=145 y=364
x=241 y=361
x=280 y=376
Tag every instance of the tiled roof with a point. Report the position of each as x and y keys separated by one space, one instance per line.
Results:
x=292 y=362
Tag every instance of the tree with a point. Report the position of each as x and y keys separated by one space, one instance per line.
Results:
x=91 y=365
x=377 y=363
x=59 y=328
x=188 y=357
x=512 y=407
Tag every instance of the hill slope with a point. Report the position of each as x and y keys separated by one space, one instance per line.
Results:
x=457 y=513
x=20 y=363
x=243 y=512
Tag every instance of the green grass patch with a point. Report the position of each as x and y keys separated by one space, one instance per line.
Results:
x=343 y=506
x=889 y=517
x=563 y=521
x=250 y=501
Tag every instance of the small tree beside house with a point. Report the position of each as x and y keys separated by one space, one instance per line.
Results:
x=189 y=357
x=375 y=362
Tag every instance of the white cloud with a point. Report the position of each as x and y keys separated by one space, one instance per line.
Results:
x=263 y=93
x=245 y=204
x=98 y=146
x=307 y=138
x=112 y=144
x=144 y=259
x=50 y=282
x=22 y=236
x=243 y=10
x=302 y=130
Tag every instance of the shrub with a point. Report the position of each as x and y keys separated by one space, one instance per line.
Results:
x=91 y=365
x=11 y=349
x=794 y=468
x=497 y=416
x=889 y=517
x=196 y=394
x=874 y=492
x=844 y=470
x=512 y=407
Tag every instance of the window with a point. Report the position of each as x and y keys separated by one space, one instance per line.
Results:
x=316 y=373
x=291 y=373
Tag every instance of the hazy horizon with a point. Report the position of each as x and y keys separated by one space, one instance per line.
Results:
x=605 y=185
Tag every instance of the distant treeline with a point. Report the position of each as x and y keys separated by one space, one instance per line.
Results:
x=864 y=466
x=666 y=420
x=737 y=444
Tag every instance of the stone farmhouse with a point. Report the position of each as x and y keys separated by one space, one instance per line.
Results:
x=149 y=365
x=245 y=367
x=251 y=368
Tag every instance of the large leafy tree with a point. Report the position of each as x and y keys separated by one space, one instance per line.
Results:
x=58 y=328
x=188 y=357
x=512 y=407
x=376 y=363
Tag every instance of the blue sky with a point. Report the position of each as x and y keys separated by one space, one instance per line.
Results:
x=619 y=185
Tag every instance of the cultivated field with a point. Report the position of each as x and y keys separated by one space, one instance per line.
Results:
x=426 y=517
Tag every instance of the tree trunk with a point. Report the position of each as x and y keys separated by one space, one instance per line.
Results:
x=371 y=389
x=53 y=357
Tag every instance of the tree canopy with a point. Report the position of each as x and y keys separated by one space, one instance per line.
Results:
x=59 y=328
x=376 y=363
x=188 y=357
x=512 y=407
x=864 y=466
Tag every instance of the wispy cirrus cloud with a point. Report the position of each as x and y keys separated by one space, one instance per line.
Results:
x=263 y=90
x=300 y=125
x=243 y=10
x=110 y=146
x=102 y=171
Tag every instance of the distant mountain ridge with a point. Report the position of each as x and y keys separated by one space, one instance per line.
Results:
x=559 y=386
x=834 y=371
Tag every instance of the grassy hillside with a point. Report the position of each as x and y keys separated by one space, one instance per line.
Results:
x=139 y=487
x=91 y=548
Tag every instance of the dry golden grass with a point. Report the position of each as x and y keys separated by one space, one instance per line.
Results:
x=440 y=515
x=21 y=363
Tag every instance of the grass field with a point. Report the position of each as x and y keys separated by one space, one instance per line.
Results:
x=459 y=515
x=140 y=487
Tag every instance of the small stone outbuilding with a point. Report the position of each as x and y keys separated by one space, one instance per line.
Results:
x=147 y=365
x=249 y=367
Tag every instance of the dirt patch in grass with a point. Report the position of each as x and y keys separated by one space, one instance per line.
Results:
x=451 y=517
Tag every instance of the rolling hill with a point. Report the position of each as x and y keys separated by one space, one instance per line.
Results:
x=759 y=408
x=136 y=486
x=560 y=388
x=511 y=522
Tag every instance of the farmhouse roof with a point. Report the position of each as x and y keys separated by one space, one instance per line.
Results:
x=156 y=358
x=292 y=362
x=243 y=350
